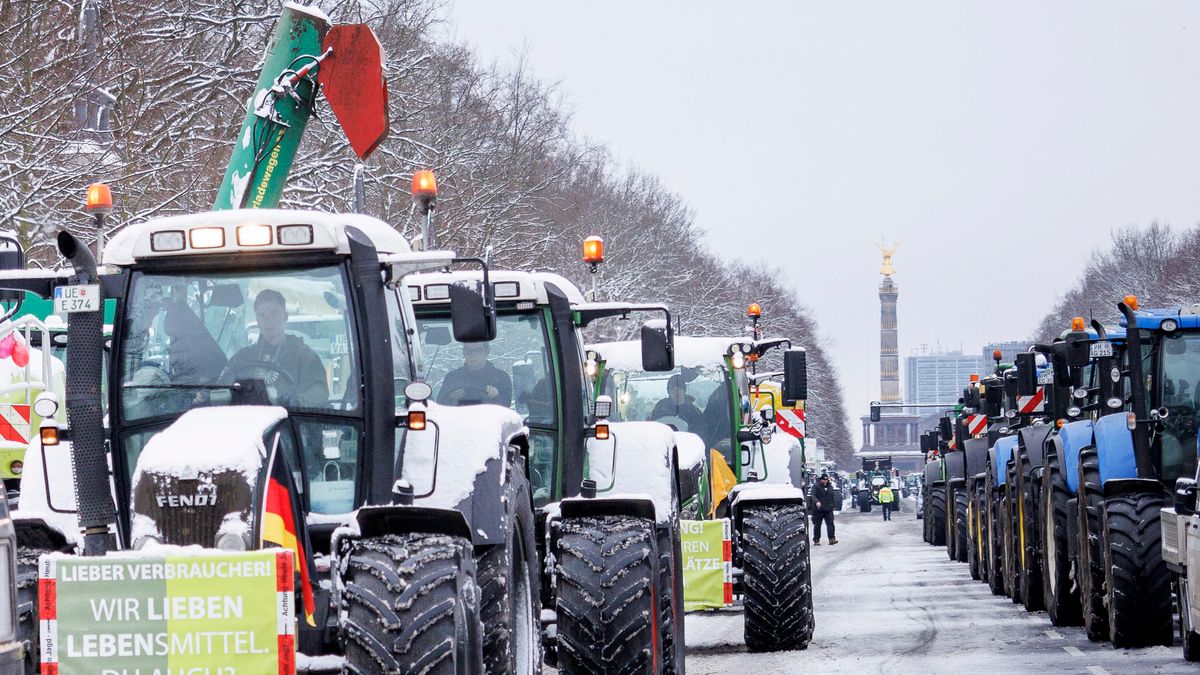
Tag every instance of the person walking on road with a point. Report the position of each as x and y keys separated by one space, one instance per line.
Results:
x=886 y=499
x=823 y=502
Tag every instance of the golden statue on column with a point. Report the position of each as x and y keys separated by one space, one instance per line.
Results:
x=887 y=269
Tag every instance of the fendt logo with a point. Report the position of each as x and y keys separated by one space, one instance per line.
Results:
x=208 y=498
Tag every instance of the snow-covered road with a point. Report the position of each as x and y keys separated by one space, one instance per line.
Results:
x=886 y=602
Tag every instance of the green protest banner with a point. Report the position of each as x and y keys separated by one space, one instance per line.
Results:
x=176 y=614
x=707 y=572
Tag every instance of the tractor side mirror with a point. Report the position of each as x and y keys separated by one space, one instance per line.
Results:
x=795 y=376
x=1060 y=364
x=1078 y=349
x=658 y=353
x=472 y=315
x=1185 y=496
x=971 y=396
x=945 y=428
x=12 y=257
x=995 y=400
x=1026 y=374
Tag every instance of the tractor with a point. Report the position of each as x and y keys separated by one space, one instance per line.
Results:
x=747 y=479
x=588 y=520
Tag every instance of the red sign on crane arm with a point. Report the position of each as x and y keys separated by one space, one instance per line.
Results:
x=352 y=77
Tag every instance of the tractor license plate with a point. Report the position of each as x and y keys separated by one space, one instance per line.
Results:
x=71 y=299
x=1046 y=376
x=1100 y=350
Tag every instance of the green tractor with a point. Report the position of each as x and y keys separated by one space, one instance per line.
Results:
x=750 y=485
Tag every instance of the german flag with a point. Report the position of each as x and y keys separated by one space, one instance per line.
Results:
x=281 y=511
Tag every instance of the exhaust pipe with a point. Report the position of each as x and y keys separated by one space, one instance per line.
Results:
x=85 y=338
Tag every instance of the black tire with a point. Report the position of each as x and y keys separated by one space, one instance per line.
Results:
x=996 y=543
x=1090 y=566
x=777 y=579
x=510 y=589
x=1029 y=569
x=961 y=541
x=1059 y=592
x=28 y=631
x=1012 y=533
x=1004 y=512
x=411 y=606
x=670 y=597
x=937 y=515
x=607 y=587
x=974 y=560
x=1137 y=582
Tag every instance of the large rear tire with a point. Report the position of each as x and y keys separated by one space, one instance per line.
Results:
x=608 y=604
x=995 y=548
x=937 y=515
x=1029 y=569
x=1059 y=593
x=411 y=606
x=974 y=560
x=777 y=579
x=1091 y=557
x=1137 y=582
x=961 y=542
x=1190 y=638
x=509 y=589
x=1012 y=533
x=670 y=589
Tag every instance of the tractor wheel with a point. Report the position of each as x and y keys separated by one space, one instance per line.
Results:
x=937 y=515
x=670 y=596
x=996 y=544
x=1012 y=576
x=1137 y=582
x=1191 y=639
x=608 y=605
x=509 y=589
x=961 y=542
x=777 y=580
x=410 y=605
x=1029 y=570
x=1006 y=549
x=1091 y=557
x=1059 y=594
x=28 y=628
x=974 y=560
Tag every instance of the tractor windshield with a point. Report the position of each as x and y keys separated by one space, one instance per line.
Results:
x=689 y=399
x=514 y=371
x=189 y=337
x=1180 y=389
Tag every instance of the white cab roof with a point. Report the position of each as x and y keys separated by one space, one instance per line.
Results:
x=530 y=286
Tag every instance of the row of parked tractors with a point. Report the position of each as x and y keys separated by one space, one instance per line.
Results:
x=468 y=485
x=1066 y=480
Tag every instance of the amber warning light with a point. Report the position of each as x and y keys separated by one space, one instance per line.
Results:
x=424 y=185
x=754 y=310
x=1131 y=300
x=593 y=250
x=99 y=198
x=1078 y=324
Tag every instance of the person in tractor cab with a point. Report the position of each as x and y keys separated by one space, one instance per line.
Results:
x=886 y=499
x=477 y=381
x=823 y=498
x=281 y=360
x=679 y=404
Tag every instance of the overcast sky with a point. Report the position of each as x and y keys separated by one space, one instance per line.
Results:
x=974 y=133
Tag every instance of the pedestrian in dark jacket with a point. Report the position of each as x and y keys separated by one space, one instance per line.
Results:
x=822 y=509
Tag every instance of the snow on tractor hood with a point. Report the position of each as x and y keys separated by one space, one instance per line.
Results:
x=690 y=449
x=208 y=439
x=641 y=466
x=467 y=438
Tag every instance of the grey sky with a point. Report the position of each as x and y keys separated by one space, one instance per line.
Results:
x=802 y=133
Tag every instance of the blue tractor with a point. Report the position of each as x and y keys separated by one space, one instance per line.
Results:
x=1143 y=440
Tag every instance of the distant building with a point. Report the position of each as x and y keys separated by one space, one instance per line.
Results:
x=1008 y=350
x=940 y=378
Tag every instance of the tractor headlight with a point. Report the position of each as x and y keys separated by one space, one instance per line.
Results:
x=738 y=360
x=15 y=467
x=45 y=405
x=1169 y=325
x=231 y=541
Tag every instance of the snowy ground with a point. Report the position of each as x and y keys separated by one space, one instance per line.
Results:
x=886 y=602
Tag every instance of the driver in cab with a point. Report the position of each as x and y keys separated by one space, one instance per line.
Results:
x=679 y=404
x=476 y=381
x=279 y=359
